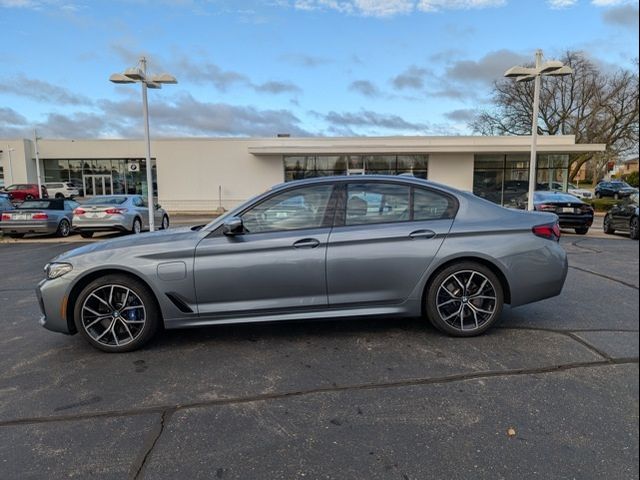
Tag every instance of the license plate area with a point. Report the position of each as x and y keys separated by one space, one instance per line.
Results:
x=568 y=210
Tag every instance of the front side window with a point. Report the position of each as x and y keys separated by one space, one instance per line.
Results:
x=377 y=203
x=301 y=208
x=430 y=205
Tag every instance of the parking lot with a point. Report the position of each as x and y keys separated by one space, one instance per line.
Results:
x=551 y=393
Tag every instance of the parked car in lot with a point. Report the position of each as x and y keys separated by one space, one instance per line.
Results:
x=116 y=213
x=623 y=217
x=615 y=189
x=5 y=204
x=61 y=190
x=330 y=247
x=39 y=216
x=20 y=192
x=572 y=212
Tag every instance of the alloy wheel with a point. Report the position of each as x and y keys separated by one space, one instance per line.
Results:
x=137 y=226
x=113 y=315
x=466 y=300
x=64 y=228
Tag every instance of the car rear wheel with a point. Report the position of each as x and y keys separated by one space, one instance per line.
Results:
x=582 y=230
x=28 y=197
x=64 y=228
x=137 y=226
x=116 y=313
x=59 y=196
x=86 y=234
x=606 y=225
x=634 y=233
x=464 y=299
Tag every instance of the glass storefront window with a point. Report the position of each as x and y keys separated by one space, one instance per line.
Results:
x=504 y=179
x=102 y=176
x=298 y=167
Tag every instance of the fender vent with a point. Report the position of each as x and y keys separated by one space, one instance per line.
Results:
x=179 y=302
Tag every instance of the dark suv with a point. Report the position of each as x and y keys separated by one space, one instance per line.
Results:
x=615 y=189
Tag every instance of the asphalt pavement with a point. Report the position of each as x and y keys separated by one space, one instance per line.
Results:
x=551 y=393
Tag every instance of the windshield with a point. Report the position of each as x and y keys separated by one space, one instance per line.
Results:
x=106 y=201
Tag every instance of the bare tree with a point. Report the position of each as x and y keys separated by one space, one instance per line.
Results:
x=595 y=106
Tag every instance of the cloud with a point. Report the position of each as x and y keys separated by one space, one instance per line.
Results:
x=277 y=87
x=304 y=60
x=462 y=115
x=387 y=8
x=622 y=16
x=208 y=72
x=560 y=4
x=364 y=87
x=42 y=91
x=367 y=118
x=411 y=78
x=485 y=70
x=437 y=5
x=9 y=117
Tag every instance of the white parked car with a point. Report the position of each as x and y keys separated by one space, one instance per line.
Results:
x=62 y=190
x=572 y=190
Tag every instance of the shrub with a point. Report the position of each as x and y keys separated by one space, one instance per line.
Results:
x=632 y=179
x=601 y=204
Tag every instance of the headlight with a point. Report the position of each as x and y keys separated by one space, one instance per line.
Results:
x=55 y=270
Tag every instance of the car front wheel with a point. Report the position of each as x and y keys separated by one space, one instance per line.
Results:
x=464 y=299
x=116 y=313
x=634 y=233
x=606 y=225
x=64 y=228
x=165 y=223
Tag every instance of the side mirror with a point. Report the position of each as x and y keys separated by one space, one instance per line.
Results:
x=233 y=226
x=158 y=206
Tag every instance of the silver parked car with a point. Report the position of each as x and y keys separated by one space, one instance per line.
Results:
x=123 y=213
x=333 y=247
x=39 y=216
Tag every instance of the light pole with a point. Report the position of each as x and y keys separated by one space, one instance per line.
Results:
x=138 y=74
x=526 y=74
x=35 y=141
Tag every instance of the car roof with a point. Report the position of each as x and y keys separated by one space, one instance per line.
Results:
x=406 y=179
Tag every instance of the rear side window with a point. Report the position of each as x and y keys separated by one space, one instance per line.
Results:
x=430 y=205
x=377 y=203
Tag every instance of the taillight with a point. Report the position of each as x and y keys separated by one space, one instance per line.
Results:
x=550 y=231
x=6 y=216
x=546 y=208
x=115 y=211
x=39 y=216
x=79 y=211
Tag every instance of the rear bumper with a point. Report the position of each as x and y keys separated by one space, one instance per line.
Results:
x=568 y=221
x=110 y=225
x=9 y=226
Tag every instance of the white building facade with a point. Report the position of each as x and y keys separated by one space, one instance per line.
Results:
x=203 y=174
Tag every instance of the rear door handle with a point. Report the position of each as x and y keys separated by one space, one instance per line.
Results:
x=422 y=234
x=306 y=243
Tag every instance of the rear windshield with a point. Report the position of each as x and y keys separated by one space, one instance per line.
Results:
x=106 y=201
x=555 y=197
x=42 y=205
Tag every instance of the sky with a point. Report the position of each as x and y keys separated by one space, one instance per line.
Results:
x=259 y=68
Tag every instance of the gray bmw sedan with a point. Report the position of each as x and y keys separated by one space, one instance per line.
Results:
x=332 y=247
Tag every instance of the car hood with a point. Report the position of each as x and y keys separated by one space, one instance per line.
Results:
x=149 y=242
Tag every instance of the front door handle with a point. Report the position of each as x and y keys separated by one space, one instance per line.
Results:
x=422 y=234
x=306 y=243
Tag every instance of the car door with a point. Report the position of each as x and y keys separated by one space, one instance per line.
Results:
x=384 y=239
x=276 y=264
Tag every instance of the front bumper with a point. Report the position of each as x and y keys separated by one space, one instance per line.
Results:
x=53 y=301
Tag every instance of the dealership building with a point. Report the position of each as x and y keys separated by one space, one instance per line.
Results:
x=203 y=174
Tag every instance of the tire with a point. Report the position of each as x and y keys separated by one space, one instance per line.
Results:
x=443 y=297
x=165 y=223
x=582 y=230
x=634 y=233
x=16 y=235
x=129 y=321
x=59 y=195
x=28 y=197
x=86 y=234
x=606 y=225
x=136 y=227
x=64 y=228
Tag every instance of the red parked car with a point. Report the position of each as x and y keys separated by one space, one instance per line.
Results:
x=20 y=192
